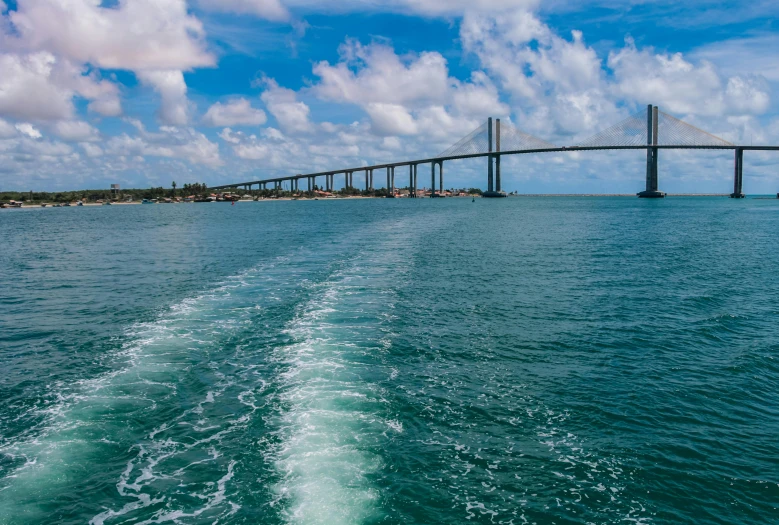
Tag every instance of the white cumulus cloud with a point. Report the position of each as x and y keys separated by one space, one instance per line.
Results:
x=133 y=35
x=683 y=87
x=75 y=131
x=238 y=112
x=42 y=86
x=291 y=114
x=174 y=108
x=25 y=128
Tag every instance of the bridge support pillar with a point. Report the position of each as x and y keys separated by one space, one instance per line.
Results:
x=414 y=185
x=738 y=175
x=440 y=193
x=651 y=191
x=497 y=173
x=392 y=182
x=490 y=188
x=370 y=179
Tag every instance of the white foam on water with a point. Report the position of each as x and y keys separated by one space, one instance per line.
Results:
x=147 y=368
x=332 y=416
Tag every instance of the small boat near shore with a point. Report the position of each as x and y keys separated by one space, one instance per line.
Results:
x=148 y=201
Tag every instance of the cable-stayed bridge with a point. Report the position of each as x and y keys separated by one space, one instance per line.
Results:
x=653 y=131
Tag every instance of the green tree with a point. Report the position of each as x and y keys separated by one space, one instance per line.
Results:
x=174 y=187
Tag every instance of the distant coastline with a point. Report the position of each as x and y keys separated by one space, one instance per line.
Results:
x=164 y=196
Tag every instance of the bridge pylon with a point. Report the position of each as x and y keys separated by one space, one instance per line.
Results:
x=738 y=175
x=651 y=191
x=493 y=163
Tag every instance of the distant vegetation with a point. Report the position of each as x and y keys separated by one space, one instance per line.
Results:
x=36 y=197
x=198 y=190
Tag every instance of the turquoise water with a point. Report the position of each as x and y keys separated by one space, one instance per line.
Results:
x=524 y=360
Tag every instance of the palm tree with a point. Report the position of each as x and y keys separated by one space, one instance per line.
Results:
x=174 y=188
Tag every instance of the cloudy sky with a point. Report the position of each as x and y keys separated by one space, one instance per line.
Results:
x=144 y=92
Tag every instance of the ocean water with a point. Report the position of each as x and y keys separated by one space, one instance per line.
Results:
x=522 y=360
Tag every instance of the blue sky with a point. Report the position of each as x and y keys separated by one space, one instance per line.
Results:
x=144 y=92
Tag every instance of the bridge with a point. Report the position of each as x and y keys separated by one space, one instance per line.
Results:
x=652 y=131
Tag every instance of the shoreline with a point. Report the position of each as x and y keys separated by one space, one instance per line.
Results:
x=357 y=197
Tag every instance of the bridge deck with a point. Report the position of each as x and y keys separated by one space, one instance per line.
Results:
x=494 y=154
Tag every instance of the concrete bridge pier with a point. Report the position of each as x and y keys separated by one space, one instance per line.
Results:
x=370 y=179
x=440 y=164
x=738 y=175
x=414 y=185
x=411 y=181
x=651 y=191
x=390 y=182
